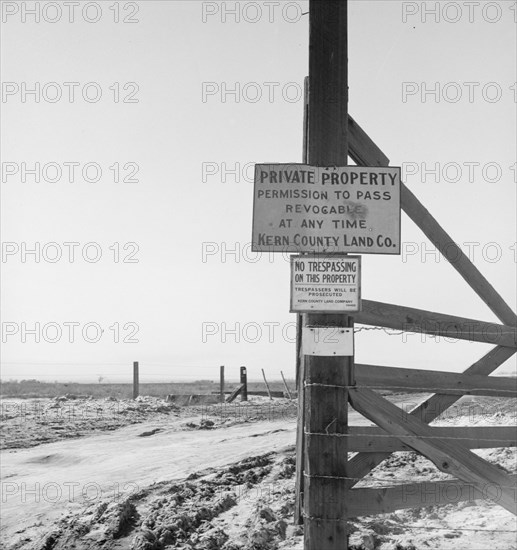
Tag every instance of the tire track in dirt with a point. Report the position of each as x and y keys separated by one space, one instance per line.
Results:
x=112 y=464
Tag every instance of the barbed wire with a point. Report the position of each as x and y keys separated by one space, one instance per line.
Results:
x=419 y=527
x=427 y=389
x=413 y=436
x=399 y=483
x=388 y=331
x=470 y=529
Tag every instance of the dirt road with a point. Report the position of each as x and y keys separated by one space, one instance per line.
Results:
x=41 y=484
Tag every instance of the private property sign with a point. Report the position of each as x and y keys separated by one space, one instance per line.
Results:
x=301 y=208
x=325 y=284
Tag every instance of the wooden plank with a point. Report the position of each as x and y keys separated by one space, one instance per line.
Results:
x=369 y=501
x=444 y=243
x=363 y=463
x=418 y=380
x=234 y=394
x=370 y=439
x=450 y=459
x=439 y=324
x=436 y=405
x=364 y=152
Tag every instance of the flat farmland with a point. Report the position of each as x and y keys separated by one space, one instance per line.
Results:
x=149 y=474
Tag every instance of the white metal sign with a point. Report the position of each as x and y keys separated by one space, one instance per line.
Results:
x=349 y=209
x=328 y=341
x=325 y=284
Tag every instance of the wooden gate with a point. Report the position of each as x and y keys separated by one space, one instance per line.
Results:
x=447 y=447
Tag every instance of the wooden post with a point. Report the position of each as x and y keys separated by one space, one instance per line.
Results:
x=326 y=401
x=299 y=316
x=300 y=376
x=286 y=386
x=135 y=380
x=244 y=384
x=234 y=393
x=221 y=383
x=267 y=385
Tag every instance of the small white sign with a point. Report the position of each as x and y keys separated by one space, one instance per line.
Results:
x=328 y=341
x=325 y=284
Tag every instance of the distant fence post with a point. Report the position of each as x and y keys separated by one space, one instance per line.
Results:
x=244 y=384
x=221 y=383
x=286 y=386
x=135 y=380
x=267 y=385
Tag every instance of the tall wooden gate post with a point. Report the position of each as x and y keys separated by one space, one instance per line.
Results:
x=326 y=400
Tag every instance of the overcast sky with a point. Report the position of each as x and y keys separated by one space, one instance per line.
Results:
x=168 y=117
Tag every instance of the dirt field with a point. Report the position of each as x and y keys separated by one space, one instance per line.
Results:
x=150 y=475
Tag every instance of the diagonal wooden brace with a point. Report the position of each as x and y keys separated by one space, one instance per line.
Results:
x=365 y=152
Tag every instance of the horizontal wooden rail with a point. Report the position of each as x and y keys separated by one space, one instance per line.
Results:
x=439 y=324
x=449 y=458
x=447 y=383
x=368 y=501
x=370 y=439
